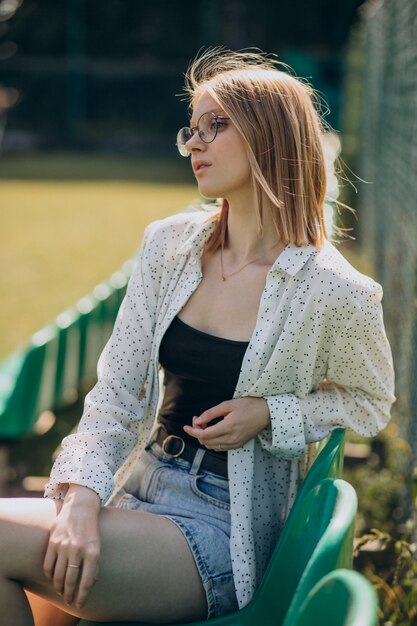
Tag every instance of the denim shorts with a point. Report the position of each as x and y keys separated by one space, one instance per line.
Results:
x=198 y=502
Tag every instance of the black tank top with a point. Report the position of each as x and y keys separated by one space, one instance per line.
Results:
x=200 y=371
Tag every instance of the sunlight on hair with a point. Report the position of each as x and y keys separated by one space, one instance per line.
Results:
x=332 y=147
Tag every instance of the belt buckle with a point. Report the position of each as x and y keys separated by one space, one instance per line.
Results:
x=169 y=440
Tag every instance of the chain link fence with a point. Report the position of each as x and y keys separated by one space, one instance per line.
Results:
x=380 y=146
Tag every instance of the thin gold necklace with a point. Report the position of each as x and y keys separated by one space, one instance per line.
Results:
x=224 y=277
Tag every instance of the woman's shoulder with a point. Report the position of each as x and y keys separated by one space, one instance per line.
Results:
x=185 y=222
x=338 y=278
x=175 y=230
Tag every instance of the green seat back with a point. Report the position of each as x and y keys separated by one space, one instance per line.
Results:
x=335 y=548
x=68 y=369
x=90 y=337
x=22 y=394
x=118 y=281
x=97 y=314
x=342 y=598
x=328 y=464
x=319 y=539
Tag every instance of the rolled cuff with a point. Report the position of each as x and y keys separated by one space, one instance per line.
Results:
x=285 y=436
x=80 y=467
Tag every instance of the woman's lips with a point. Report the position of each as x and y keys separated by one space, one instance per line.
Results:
x=201 y=170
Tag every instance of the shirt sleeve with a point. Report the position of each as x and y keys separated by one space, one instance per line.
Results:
x=107 y=430
x=357 y=392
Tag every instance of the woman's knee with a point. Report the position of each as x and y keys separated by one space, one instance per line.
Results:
x=33 y=511
x=24 y=531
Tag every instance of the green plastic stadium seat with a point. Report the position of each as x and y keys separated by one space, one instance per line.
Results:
x=328 y=464
x=108 y=304
x=317 y=540
x=94 y=338
x=98 y=312
x=118 y=281
x=46 y=392
x=21 y=389
x=90 y=337
x=342 y=598
x=68 y=358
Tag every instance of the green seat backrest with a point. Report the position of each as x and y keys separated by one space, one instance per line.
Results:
x=318 y=540
x=108 y=301
x=328 y=464
x=98 y=312
x=342 y=598
x=68 y=368
x=329 y=461
x=91 y=336
x=24 y=390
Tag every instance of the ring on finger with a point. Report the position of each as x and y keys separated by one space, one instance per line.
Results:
x=73 y=565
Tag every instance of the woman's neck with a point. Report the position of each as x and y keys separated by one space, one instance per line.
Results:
x=243 y=240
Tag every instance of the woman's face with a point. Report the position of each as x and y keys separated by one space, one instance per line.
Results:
x=221 y=167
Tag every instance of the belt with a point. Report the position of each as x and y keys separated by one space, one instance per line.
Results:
x=175 y=446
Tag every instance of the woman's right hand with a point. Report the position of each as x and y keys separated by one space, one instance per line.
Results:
x=74 y=541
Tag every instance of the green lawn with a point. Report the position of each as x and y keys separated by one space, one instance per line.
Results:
x=68 y=222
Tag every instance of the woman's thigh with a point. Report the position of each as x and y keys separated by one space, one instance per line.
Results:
x=146 y=571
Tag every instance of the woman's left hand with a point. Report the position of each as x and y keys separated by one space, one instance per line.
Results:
x=243 y=418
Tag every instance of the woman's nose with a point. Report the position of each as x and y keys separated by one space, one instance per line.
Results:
x=194 y=143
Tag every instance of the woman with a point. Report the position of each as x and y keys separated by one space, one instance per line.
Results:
x=268 y=339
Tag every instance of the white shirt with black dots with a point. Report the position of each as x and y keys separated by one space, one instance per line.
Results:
x=318 y=355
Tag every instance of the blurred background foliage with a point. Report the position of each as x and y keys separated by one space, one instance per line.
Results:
x=104 y=74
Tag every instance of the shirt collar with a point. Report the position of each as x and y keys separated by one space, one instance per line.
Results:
x=196 y=241
x=291 y=260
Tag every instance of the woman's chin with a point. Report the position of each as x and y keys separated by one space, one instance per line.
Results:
x=207 y=193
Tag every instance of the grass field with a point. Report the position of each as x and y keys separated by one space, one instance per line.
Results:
x=68 y=222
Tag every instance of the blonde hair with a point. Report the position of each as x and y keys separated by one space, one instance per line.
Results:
x=276 y=115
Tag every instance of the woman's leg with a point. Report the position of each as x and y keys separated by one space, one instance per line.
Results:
x=146 y=572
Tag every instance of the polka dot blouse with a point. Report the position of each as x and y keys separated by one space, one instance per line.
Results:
x=318 y=355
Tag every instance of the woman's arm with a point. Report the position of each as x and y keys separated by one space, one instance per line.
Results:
x=112 y=410
x=357 y=393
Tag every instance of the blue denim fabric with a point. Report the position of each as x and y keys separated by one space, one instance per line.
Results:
x=198 y=502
